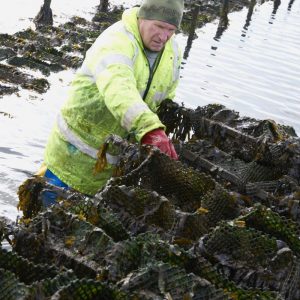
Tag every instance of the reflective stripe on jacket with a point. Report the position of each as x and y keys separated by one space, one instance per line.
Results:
x=106 y=97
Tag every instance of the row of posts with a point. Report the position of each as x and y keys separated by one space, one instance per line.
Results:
x=44 y=17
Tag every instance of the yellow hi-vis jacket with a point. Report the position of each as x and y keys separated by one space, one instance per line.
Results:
x=110 y=94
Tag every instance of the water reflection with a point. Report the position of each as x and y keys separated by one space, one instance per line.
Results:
x=249 y=16
x=275 y=8
x=193 y=26
x=224 y=21
x=256 y=75
x=7 y=150
x=290 y=5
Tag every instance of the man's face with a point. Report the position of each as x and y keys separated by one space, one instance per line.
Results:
x=155 y=34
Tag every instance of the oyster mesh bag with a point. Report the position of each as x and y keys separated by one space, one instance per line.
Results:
x=222 y=222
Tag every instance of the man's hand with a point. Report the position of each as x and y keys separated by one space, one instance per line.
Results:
x=158 y=138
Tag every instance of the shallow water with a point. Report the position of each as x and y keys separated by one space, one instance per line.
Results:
x=253 y=67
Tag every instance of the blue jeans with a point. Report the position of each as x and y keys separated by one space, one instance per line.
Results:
x=49 y=198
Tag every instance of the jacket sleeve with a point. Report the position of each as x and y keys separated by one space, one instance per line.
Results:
x=111 y=66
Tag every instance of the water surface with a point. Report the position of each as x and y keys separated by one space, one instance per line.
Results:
x=254 y=67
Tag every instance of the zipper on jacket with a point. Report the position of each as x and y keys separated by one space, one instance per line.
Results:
x=131 y=135
x=151 y=73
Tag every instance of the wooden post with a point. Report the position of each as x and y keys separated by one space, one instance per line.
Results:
x=44 y=17
x=103 y=6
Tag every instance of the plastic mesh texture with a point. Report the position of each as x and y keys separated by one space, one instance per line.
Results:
x=25 y=269
x=10 y=287
x=220 y=223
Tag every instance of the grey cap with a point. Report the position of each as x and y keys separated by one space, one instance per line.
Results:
x=169 y=11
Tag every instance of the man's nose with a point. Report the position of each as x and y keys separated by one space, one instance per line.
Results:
x=163 y=35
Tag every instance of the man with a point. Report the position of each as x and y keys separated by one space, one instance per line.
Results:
x=129 y=70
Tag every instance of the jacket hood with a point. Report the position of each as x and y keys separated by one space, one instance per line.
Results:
x=130 y=20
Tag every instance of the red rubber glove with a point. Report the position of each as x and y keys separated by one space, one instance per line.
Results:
x=158 y=138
